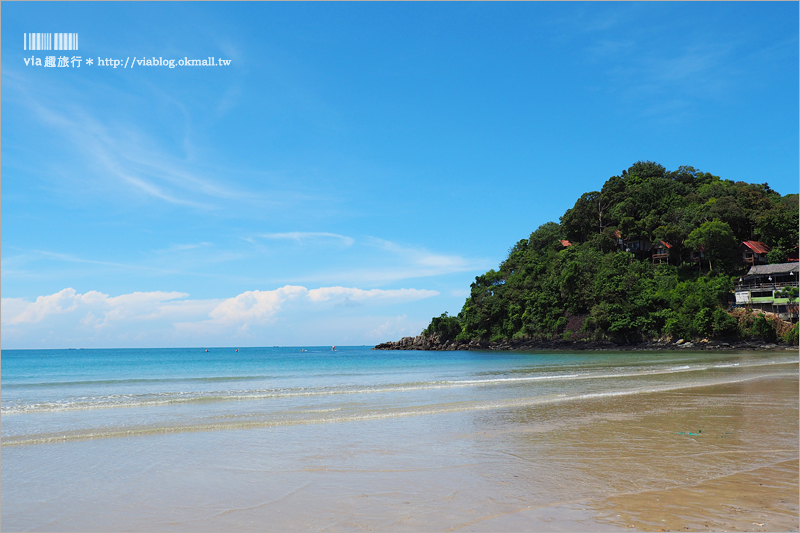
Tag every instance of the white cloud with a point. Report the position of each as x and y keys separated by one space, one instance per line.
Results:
x=60 y=302
x=162 y=318
x=255 y=306
x=16 y=311
x=262 y=306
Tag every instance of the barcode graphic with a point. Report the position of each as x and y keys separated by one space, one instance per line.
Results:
x=50 y=41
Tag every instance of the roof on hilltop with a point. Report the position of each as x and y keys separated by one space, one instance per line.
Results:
x=780 y=268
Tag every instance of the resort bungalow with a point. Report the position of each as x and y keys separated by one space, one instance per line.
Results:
x=639 y=246
x=698 y=255
x=763 y=287
x=754 y=252
x=661 y=252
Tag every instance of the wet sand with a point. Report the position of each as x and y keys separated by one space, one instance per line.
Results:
x=580 y=466
x=738 y=471
x=763 y=499
x=718 y=457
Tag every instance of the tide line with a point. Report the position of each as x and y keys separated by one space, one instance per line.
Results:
x=175 y=398
x=387 y=414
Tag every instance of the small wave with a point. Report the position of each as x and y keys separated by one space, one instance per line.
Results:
x=186 y=397
x=386 y=414
x=134 y=381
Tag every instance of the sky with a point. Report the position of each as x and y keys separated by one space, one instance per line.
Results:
x=354 y=167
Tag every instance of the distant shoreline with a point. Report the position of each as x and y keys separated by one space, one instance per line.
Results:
x=432 y=343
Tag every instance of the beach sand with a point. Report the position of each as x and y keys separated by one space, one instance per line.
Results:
x=738 y=472
x=578 y=466
x=719 y=457
x=762 y=499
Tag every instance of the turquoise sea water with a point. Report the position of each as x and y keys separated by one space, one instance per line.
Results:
x=59 y=395
x=72 y=418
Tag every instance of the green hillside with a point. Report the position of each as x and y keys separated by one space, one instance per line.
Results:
x=603 y=283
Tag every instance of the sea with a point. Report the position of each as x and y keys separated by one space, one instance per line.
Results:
x=344 y=439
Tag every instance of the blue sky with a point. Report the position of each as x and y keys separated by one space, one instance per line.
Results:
x=356 y=165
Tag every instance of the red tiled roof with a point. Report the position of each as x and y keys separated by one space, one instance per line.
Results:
x=757 y=247
x=668 y=245
x=566 y=243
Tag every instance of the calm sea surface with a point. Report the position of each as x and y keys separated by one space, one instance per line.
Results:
x=164 y=438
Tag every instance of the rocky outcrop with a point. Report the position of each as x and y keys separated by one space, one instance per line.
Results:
x=435 y=343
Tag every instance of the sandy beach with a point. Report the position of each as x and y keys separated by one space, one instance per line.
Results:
x=583 y=444
x=631 y=467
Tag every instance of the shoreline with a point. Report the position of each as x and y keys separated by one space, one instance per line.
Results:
x=434 y=343
x=714 y=449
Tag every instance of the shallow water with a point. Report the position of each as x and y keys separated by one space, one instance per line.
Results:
x=275 y=438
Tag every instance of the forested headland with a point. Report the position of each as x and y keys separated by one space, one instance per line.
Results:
x=653 y=255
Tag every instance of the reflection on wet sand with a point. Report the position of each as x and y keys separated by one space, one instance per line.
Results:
x=763 y=499
x=713 y=458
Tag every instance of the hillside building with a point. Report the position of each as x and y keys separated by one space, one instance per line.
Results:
x=763 y=286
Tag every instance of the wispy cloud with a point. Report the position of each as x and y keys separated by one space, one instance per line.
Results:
x=188 y=246
x=300 y=236
x=426 y=260
x=73 y=259
x=133 y=157
x=395 y=328
x=388 y=262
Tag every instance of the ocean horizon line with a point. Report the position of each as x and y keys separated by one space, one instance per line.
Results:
x=232 y=347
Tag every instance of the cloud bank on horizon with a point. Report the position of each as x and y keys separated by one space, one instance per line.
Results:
x=356 y=165
x=94 y=319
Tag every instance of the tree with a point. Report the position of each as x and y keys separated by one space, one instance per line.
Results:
x=728 y=210
x=545 y=236
x=580 y=221
x=683 y=175
x=644 y=170
x=778 y=226
x=446 y=326
x=717 y=240
x=776 y=255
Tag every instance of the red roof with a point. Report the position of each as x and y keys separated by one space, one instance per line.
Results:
x=757 y=247
x=668 y=245
x=566 y=243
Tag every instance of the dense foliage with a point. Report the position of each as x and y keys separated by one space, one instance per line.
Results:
x=594 y=289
